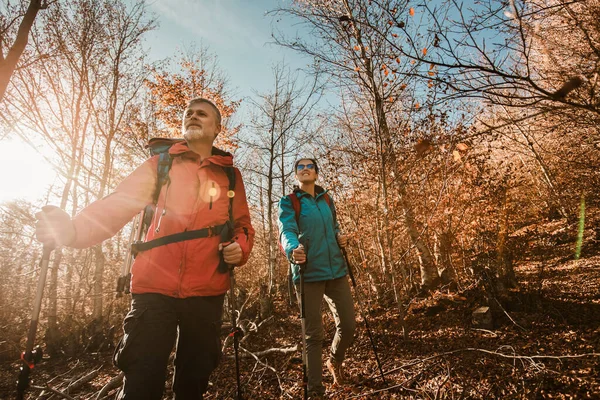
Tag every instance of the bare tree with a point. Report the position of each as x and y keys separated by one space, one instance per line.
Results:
x=10 y=53
x=279 y=125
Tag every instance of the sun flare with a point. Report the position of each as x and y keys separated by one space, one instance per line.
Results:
x=25 y=173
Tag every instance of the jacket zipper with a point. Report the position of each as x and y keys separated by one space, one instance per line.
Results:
x=325 y=232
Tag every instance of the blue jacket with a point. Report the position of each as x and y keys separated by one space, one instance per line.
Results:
x=316 y=231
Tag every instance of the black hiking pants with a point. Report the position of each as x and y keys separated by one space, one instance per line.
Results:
x=153 y=325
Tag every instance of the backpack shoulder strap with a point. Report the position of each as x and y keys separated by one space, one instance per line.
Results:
x=295 y=205
x=165 y=161
x=230 y=172
x=160 y=146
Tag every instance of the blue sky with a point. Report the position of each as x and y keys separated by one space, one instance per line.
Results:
x=237 y=31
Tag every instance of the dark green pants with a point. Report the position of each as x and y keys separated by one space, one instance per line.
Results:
x=154 y=324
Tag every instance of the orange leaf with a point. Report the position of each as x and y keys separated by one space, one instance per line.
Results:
x=431 y=66
x=403 y=86
x=412 y=61
x=456 y=155
x=391 y=99
x=417 y=105
x=356 y=69
x=394 y=35
x=430 y=84
x=462 y=147
x=356 y=48
x=411 y=12
x=391 y=22
x=425 y=51
x=398 y=60
x=431 y=73
x=386 y=72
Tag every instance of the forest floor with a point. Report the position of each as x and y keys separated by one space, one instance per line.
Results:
x=545 y=343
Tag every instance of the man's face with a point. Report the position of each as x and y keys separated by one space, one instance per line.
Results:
x=306 y=171
x=200 y=123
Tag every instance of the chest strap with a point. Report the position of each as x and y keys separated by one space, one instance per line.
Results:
x=225 y=231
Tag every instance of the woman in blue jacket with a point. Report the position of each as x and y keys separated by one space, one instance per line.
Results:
x=315 y=239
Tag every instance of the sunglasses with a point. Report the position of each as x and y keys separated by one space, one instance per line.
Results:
x=300 y=167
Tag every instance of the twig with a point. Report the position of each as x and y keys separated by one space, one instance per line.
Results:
x=508 y=315
x=56 y=392
x=514 y=357
x=112 y=384
x=266 y=366
x=284 y=350
x=84 y=379
x=408 y=381
x=486 y=331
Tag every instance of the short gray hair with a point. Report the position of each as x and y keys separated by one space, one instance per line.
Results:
x=196 y=100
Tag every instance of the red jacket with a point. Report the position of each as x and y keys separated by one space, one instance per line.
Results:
x=196 y=198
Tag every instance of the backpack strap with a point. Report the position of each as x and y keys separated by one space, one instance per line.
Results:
x=227 y=234
x=165 y=161
x=295 y=205
x=230 y=172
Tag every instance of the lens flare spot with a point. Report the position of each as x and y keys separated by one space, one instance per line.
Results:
x=230 y=194
x=212 y=192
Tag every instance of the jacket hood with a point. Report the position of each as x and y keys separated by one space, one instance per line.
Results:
x=218 y=157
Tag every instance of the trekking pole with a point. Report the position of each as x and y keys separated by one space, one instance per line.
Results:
x=290 y=287
x=235 y=331
x=33 y=356
x=302 y=268
x=125 y=277
x=362 y=313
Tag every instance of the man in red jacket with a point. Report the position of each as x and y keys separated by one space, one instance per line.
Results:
x=177 y=288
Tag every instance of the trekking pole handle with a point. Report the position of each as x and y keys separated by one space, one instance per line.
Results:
x=302 y=265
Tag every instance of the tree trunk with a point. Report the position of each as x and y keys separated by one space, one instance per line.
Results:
x=447 y=272
x=8 y=64
x=504 y=255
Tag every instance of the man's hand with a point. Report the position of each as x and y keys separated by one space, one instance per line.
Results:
x=298 y=255
x=54 y=226
x=342 y=240
x=232 y=253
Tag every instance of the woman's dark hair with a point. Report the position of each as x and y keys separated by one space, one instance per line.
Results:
x=311 y=160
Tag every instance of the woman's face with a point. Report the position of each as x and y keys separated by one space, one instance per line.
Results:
x=306 y=171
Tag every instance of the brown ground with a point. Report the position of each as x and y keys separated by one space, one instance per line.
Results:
x=550 y=348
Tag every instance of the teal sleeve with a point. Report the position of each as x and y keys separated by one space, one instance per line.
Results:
x=335 y=220
x=288 y=228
